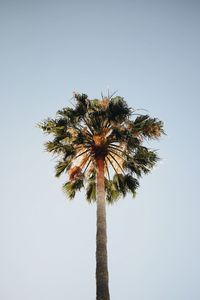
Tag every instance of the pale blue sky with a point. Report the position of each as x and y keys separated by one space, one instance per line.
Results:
x=149 y=52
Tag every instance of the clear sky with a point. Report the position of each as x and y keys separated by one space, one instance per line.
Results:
x=147 y=50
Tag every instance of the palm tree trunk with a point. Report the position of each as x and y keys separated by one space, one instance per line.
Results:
x=102 y=290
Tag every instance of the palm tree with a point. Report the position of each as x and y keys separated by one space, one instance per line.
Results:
x=100 y=145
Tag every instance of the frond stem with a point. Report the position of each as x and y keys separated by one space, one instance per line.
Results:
x=112 y=165
x=80 y=154
x=117 y=163
x=115 y=153
x=115 y=148
x=87 y=166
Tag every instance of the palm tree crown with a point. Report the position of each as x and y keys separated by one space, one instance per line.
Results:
x=105 y=129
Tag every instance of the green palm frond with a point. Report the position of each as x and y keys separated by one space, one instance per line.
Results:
x=48 y=125
x=112 y=193
x=71 y=187
x=118 y=180
x=131 y=184
x=91 y=191
x=145 y=159
x=131 y=166
x=62 y=166
x=118 y=110
x=148 y=127
x=68 y=113
x=57 y=147
x=93 y=105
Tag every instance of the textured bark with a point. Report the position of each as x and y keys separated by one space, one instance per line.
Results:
x=102 y=288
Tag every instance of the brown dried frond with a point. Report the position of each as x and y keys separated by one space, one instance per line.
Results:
x=104 y=103
x=84 y=130
x=136 y=134
x=84 y=160
x=99 y=139
x=157 y=131
x=154 y=130
x=73 y=132
x=74 y=172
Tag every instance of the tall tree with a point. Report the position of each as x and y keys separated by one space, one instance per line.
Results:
x=100 y=145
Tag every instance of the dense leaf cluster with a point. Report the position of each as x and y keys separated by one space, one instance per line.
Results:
x=106 y=128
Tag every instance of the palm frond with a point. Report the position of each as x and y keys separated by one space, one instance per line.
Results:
x=118 y=180
x=62 y=166
x=71 y=187
x=118 y=110
x=131 y=166
x=145 y=159
x=148 y=127
x=91 y=191
x=131 y=183
x=112 y=193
